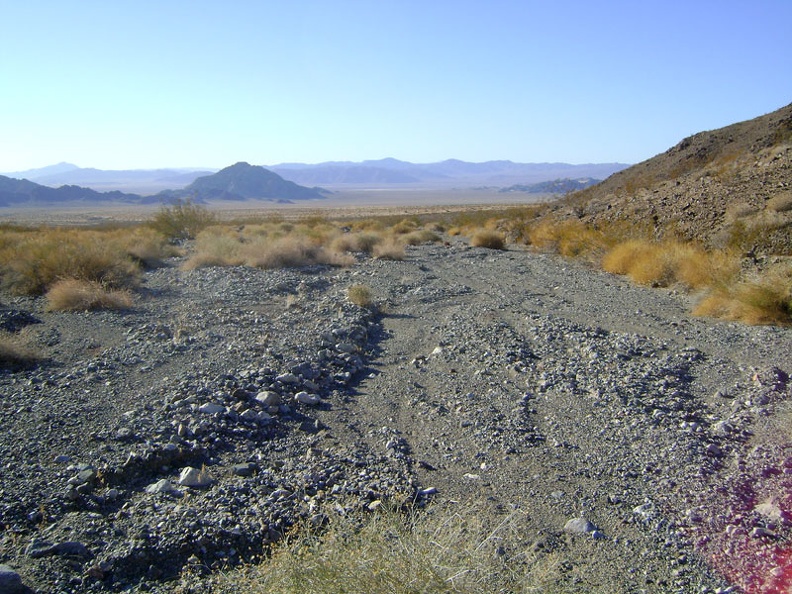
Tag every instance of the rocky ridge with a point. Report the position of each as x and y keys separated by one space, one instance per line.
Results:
x=158 y=445
x=707 y=183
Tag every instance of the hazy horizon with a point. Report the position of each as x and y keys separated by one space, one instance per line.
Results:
x=146 y=85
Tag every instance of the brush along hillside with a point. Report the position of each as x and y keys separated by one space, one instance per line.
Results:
x=730 y=187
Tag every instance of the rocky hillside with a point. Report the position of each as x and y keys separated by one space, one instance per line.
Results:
x=727 y=186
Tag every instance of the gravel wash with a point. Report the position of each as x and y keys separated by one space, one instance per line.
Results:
x=639 y=448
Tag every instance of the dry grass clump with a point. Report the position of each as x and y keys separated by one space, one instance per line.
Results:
x=405 y=226
x=360 y=295
x=291 y=251
x=215 y=246
x=144 y=245
x=488 y=239
x=14 y=353
x=363 y=242
x=389 y=249
x=32 y=261
x=570 y=238
x=393 y=553
x=81 y=295
x=761 y=300
x=662 y=264
x=420 y=236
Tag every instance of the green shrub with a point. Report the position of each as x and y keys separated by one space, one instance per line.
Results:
x=182 y=220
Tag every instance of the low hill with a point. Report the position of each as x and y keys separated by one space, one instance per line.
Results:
x=22 y=192
x=243 y=181
x=731 y=186
x=556 y=186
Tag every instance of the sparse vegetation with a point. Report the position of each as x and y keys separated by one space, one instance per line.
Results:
x=31 y=261
x=182 y=220
x=663 y=264
x=14 y=353
x=81 y=295
x=389 y=249
x=392 y=552
x=359 y=295
x=488 y=239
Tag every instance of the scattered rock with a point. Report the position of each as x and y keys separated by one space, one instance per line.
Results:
x=579 y=526
x=193 y=477
x=11 y=581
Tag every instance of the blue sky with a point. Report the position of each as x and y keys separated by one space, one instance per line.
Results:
x=170 y=83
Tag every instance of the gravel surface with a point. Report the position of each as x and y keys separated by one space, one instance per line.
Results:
x=645 y=449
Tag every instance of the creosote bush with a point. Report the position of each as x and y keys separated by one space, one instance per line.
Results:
x=182 y=220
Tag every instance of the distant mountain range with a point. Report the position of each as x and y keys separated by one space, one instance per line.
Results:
x=138 y=181
x=237 y=182
x=333 y=174
x=450 y=173
x=66 y=183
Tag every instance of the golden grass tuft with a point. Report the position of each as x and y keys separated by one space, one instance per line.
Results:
x=662 y=264
x=81 y=295
x=486 y=238
x=763 y=300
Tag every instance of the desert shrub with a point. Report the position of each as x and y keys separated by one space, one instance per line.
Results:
x=570 y=238
x=389 y=249
x=405 y=226
x=292 y=252
x=145 y=245
x=698 y=269
x=359 y=295
x=356 y=242
x=34 y=261
x=14 y=353
x=214 y=247
x=419 y=237
x=182 y=220
x=81 y=295
x=488 y=239
x=395 y=553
